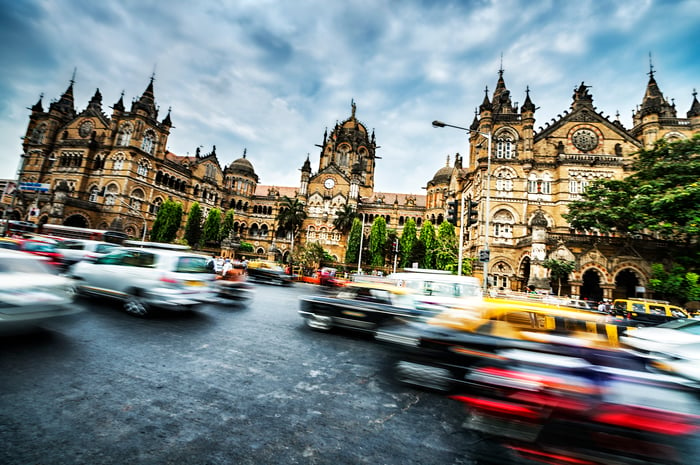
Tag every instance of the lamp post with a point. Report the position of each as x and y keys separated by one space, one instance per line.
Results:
x=362 y=236
x=489 y=139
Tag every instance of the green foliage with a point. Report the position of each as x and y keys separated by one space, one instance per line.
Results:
x=446 y=250
x=559 y=269
x=663 y=195
x=377 y=241
x=417 y=254
x=344 y=218
x=167 y=221
x=408 y=239
x=676 y=284
x=246 y=247
x=290 y=218
x=312 y=255
x=212 y=226
x=391 y=237
x=427 y=237
x=353 y=245
x=227 y=225
x=193 y=227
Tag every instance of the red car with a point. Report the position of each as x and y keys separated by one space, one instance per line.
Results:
x=36 y=247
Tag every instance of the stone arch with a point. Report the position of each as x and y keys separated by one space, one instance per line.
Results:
x=626 y=278
x=523 y=276
x=78 y=220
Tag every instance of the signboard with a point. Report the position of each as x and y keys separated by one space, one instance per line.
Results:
x=34 y=187
x=484 y=255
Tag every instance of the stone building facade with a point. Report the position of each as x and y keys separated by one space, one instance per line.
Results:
x=114 y=171
x=523 y=189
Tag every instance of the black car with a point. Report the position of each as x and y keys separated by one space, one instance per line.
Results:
x=270 y=274
x=360 y=306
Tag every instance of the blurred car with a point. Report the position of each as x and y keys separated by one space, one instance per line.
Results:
x=233 y=286
x=438 y=352
x=557 y=408
x=144 y=278
x=647 y=312
x=45 y=249
x=75 y=250
x=359 y=306
x=30 y=291
x=439 y=288
x=271 y=273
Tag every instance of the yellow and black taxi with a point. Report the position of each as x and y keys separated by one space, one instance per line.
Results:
x=646 y=312
x=438 y=352
x=362 y=306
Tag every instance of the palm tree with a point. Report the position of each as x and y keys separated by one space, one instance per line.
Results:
x=290 y=218
x=344 y=218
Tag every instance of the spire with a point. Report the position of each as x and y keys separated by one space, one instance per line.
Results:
x=695 y=107
x=528 y=105
x=119 y=106
x=65 y=103
x=475 y=123
x=38 y=106
x=501 y=102
x=96 y=101
x=486 y=104
x=354 y=108
x=654 y=101
x=147 y=101
x=306 y=168
x=166 y=121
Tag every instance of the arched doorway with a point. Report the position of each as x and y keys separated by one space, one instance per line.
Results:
x=77 y=221
x=626 y=283
x=524 y=274
x=590 y=289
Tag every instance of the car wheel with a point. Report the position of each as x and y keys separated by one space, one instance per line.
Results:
x=319 y=322
x=134 y=305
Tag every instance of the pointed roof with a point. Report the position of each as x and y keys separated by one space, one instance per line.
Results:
x=501 y=96
x=695 y=107
x=38 y=106
x=166 y=121
x=119 y=106
x=654 y=101
x=528 y=105
x=147 y=102
x=66 y=103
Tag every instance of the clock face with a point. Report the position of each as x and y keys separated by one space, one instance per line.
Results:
x=329 y=183
x=585 y=140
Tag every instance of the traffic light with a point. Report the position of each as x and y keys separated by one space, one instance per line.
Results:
x=472 y=213
x=452 y=213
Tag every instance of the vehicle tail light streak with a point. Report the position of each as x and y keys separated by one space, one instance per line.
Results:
x=650 y=420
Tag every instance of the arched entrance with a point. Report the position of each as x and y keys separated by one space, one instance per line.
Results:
x=524 y=273
x=590 y=289
x=626 y=283
x=77 y=221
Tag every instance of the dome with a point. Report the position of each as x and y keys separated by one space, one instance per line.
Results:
x=243 y=166
x=442 y=175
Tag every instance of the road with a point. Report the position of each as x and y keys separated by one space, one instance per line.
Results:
x=222 y=385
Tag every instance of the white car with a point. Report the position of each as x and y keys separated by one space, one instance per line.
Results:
x=31 y=292
x=144 y=278
x=75 y=250
x=673 y=347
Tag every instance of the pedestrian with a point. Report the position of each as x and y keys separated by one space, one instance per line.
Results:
x=244 y=262
x=227 y=267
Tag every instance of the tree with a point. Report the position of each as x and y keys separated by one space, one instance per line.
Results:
x=559 y=269
x=408 y=239
x=312 y=255
x=193 y=227
x=662 y=195
x=344 y=218
x=290 y=218
x=227 y=225
x=212 y=226
x=377 y=240
x=391 y=246
x=446 y=252
x=427 y=237
x=353 y=245
x=676 y=284
x=167 y=221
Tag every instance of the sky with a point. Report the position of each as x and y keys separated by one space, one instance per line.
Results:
x=270 y=76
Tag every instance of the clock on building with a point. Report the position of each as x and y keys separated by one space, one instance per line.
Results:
x=329 y=183
x=585 y=140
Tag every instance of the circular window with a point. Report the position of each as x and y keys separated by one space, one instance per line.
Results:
x=85 y=128
x=585 y=140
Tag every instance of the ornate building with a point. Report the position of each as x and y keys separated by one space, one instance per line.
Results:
x=525 y=185
x=113 y=172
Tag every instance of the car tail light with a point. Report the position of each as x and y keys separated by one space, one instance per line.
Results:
x=497 y=406
x=167 y=279
x=651 y=420
x=548 y=458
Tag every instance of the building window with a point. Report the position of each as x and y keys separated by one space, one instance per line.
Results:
x=148 y=143
x=118 y=163
x=504 y=149
x=124 y=135
x=539 y=185
x=504 y=180
x=94 y=192
x=142 y=168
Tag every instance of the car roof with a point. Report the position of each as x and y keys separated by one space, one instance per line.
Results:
x=380 y=286
x=165 y=252
x=8 y=253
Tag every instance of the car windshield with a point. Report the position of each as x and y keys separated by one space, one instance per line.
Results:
x=686 y=325
x=39 y=247
x=22 y=265
x=192 y=265
x=71 y=245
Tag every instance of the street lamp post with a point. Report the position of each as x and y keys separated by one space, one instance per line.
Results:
x=362 y=236
x=489 y=139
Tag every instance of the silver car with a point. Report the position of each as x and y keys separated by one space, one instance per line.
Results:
x=31 y=292
x=144 y=278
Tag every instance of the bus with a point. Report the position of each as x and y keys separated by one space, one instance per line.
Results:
x=72 y=232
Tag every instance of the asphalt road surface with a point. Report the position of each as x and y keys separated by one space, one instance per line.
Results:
x=222 y=385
